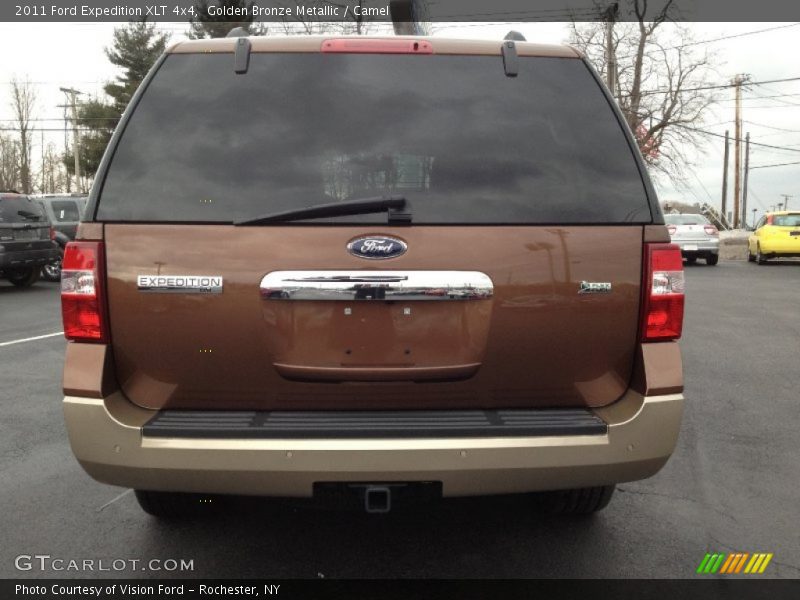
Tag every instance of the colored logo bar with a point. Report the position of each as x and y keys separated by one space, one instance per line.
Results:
x=734 y=562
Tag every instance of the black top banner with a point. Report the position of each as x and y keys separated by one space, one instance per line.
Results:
x=398 y=10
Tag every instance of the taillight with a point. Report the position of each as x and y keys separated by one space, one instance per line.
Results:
x=711 y=230
x=672 y=229
x=82 y=295
x=662 y=293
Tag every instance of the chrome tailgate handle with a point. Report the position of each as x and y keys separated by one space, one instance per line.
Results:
x=376 y=285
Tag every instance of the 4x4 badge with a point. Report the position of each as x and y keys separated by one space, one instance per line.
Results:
x=592 y=287
x=377 y=247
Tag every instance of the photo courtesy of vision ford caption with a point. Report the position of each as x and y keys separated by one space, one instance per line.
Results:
x=379 y=266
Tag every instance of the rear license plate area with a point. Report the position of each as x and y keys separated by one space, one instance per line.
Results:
x=26 y=234
x=353 y=495
x=690 y=247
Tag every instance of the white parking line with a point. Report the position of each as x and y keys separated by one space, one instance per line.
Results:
x=110 y=502
x=31 y=339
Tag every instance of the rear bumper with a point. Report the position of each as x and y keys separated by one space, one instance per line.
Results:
x=693 y=247
x=21 y=259
x=107 y=438
x=790 y=247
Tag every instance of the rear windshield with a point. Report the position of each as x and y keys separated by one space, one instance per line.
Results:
x=786 y=220
x=685 y=220
x=65 y=210
x=461 y=141
x=20 y=209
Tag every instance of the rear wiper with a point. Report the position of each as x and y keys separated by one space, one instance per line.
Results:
x=29 y=215
x=361 y=206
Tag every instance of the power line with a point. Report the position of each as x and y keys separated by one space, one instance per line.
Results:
x=775 y=165
x=59 y=119
x=765 y=97
x=719 y=87
x=61 y=129
x=703 y=131
x=719 y=39
x=772 y=127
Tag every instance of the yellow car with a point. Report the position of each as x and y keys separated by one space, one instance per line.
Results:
x=777 y=235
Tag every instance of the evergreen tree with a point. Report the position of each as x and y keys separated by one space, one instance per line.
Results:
x=205 y=26
x=135 y=48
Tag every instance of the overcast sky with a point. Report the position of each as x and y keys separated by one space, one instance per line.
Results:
x=61 y=54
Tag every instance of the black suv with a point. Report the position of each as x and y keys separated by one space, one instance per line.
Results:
x=26 y=239
x=64 y=212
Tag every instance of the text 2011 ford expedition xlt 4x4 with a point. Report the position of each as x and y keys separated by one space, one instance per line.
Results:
x=372 y=264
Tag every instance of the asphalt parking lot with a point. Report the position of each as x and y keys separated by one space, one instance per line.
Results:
x=732 y=484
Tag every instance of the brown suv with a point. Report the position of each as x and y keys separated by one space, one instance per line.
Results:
x=383 y=266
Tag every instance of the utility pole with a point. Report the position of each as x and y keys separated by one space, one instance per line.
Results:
x=746 y=173
x=724 y=204
x=76 y=144
x=737 y=82
x=754 y=217
x=786 y=201
x=611 y=59
x=43 y=190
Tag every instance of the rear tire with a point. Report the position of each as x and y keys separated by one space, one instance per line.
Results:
x=24 y=277
x=52 y=272
x=174 y=505
x=760 y=258
x=712 y=259
x=582 y=501
x=750 y=257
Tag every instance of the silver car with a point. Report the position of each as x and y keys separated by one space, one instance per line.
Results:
x=695 y=235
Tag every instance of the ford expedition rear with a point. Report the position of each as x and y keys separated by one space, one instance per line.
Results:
x=372 y=264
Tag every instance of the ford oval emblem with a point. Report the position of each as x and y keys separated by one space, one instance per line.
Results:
x=377 y=247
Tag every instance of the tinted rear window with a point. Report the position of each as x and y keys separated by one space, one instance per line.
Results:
x=20 y=209
x=455 y=136
x=685 y=220
x=786 y=220
x=65 y=210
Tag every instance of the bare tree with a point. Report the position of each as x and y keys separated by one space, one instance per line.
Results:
x=23 y=99
x=656 y=82
x=9 y=163
x=52 y=173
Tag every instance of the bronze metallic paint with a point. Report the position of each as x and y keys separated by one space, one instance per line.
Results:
x=538 y=342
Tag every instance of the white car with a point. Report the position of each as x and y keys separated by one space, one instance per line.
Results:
x=695 y=235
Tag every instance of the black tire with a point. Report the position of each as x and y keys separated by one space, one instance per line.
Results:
x=712 y=259
x=24 y=277
x=750 y=257
x=760 y=258
x=52 y=272
x=691 y=260
x=175 y=505
x=582 y=501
